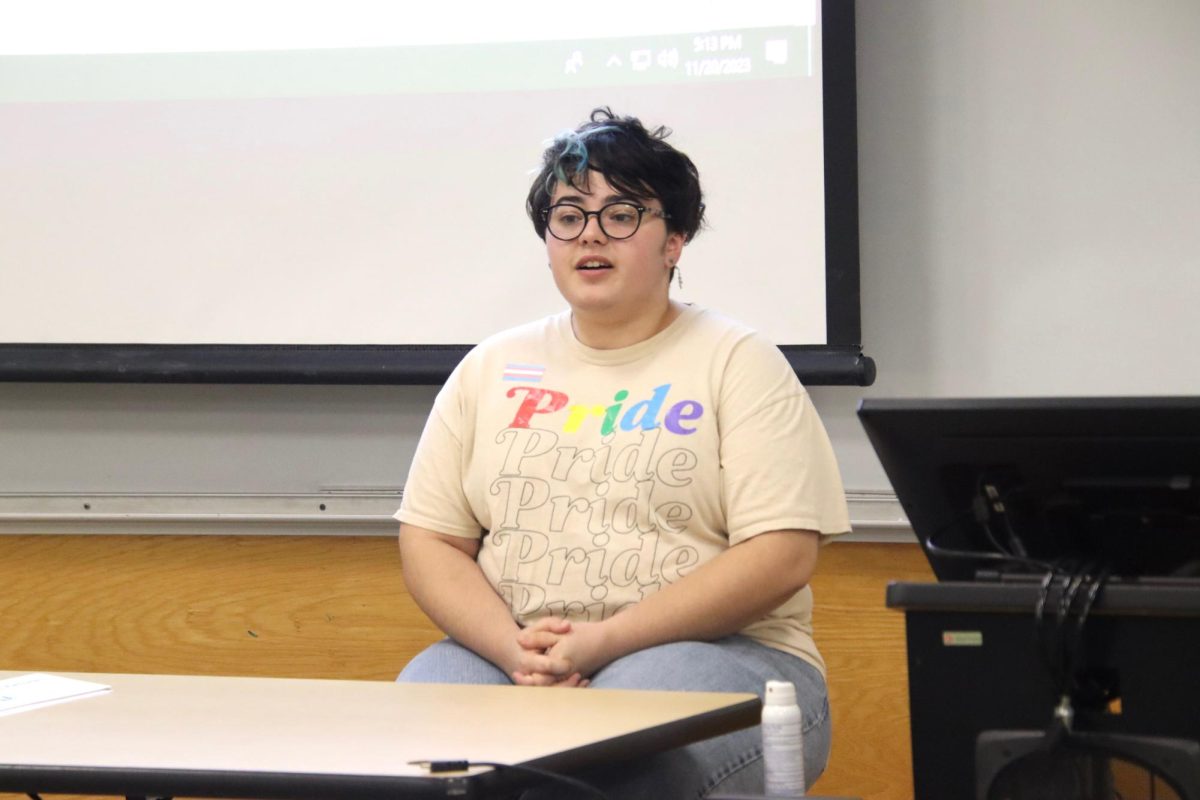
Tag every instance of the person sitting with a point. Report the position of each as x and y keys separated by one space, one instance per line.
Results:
x=629 y=494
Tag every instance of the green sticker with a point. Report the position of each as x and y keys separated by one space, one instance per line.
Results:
x=962 y=638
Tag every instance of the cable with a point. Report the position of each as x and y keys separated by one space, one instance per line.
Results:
x=1064 y=641
x=990 y=502
x=1060 y=644
x=548 y=775
x=982 y=506
x=436 y=767
x=1095 y=586
x=1018 y=544
x=1044 y=642
x=933 y=548
x=988 y=499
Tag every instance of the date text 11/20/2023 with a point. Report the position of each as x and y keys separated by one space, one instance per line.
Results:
x=706 y=67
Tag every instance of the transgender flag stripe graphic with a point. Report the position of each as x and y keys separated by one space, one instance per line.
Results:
x=529 y=373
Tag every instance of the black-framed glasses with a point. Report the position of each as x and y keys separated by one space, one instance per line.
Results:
x=566 y=221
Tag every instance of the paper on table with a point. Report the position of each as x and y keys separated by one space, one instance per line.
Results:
x=37 y=689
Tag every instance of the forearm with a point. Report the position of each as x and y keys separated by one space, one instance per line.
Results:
x=721 y=596
x=452 y=590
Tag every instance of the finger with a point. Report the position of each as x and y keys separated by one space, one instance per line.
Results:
x=552 y=624
x=545 y=665
x=537 y=640
x=533 y=679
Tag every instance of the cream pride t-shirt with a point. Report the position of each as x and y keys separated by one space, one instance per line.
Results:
x=596 y=477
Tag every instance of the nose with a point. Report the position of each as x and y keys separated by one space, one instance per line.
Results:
x=592 y=232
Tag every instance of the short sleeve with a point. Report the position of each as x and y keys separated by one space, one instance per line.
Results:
x=778 y=470
x=434 y=497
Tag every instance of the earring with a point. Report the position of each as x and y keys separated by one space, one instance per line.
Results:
x=678 y=274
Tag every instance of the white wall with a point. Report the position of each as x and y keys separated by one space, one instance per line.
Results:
x=1030 y=201
x=1030 y=198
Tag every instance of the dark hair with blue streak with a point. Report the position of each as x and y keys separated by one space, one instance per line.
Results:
x=635 y=162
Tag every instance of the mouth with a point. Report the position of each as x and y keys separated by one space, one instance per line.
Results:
x=592 y=264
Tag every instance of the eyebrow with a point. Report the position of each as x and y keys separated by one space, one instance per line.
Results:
x=612 y=198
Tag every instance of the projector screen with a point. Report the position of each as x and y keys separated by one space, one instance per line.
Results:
x=319 y=192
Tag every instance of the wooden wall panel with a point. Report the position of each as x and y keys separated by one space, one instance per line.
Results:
x=865 y=657
x=288 y=606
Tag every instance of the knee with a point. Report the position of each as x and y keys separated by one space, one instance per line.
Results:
x=818 y=738
x=448 y=661
x=692 y=666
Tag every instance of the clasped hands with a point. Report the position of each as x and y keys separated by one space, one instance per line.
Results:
x=558 y=652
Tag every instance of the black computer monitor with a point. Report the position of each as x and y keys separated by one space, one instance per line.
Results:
x=996 y=486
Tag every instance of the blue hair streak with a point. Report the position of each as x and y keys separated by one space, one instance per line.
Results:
x=573 y=158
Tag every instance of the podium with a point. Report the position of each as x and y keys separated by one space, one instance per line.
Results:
x=974 y=665
x=1065 y=536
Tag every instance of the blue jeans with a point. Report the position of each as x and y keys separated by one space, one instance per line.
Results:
x=728 y=764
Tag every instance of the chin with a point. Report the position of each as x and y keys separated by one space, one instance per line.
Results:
x=591 y=305
x=589 y=298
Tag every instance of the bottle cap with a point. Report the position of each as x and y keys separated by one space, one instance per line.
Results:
x=780 y=693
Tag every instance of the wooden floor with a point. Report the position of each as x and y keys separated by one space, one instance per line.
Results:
x=336 y=607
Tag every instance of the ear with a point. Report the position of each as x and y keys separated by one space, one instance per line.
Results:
x=673 y=248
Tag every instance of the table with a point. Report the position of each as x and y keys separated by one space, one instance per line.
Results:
x=171 y=735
